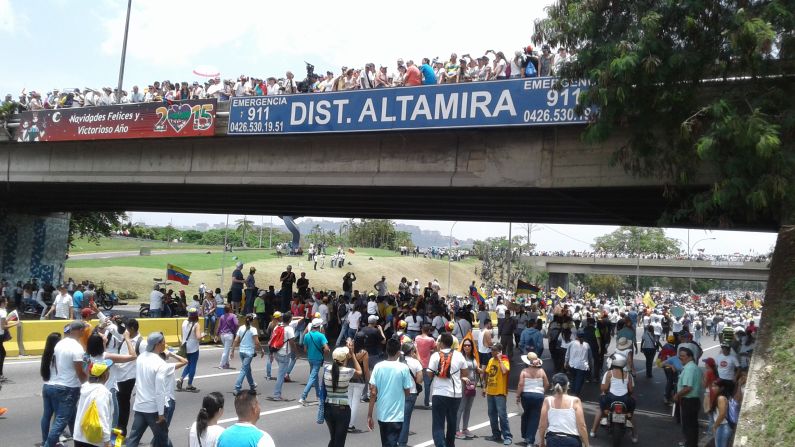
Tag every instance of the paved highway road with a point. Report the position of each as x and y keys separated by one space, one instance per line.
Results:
x=291 y=424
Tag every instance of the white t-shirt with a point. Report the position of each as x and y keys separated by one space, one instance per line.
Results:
x=727 y=365
x=353 y=319
x=155 y=300
x=126 y=371
x=289 y=334
x=94 y=392
x=62 y=304
x=372 y=308
x=449 y=387
x=67 y=351
x=501 y=308
x=414 y=366
x=208 y=439
x=189 y=338
x=219 y=300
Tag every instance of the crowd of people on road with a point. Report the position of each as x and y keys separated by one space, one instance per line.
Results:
x=493 y=65
x=398 y=350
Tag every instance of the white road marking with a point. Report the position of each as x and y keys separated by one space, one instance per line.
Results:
x=264 y=413
x=471 y=427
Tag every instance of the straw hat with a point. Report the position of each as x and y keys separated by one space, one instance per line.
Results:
x=532 y=359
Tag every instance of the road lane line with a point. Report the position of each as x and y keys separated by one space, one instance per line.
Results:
x=471 y=427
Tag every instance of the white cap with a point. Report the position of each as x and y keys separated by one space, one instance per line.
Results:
x=372 y=319
x=317 y=322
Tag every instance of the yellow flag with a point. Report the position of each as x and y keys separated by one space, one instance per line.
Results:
x=739 y=304
x=589 y=296
x=648 y=301
x=757 y=304
x=560 y=293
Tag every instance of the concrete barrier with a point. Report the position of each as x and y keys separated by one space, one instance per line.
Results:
x=34 y=333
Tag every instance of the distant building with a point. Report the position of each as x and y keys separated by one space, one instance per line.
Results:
x=202 y=226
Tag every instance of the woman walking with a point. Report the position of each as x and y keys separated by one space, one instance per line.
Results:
x=337 y=381
x=465 y=407
x=49 y=393
x=721 y=429
x=415 y=368
x=5 y=327
x=532 y=384
x=562 y=421
x=191 y=336
x=649 y=346
x=357 y=383
x=227 y=327
x=205 y=431
x=248 y=341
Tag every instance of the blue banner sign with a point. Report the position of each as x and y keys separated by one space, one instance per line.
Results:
x=514 y=102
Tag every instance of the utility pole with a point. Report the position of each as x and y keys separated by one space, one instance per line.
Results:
x=223 y=256
x=270 y=234
x=261 y=224
x=449 y=250
x=510 y=257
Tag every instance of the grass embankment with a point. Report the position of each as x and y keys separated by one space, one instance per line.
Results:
x=766 y=418
x=130 y=244
x=136 y=273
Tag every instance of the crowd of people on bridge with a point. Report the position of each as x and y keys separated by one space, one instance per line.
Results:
x=400 y=349
x=493 y=65
x=698 y=256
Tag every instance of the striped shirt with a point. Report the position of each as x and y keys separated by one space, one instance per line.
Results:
x=340 y=395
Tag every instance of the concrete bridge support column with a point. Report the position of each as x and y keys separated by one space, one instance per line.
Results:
x=33 y=247
x=558 y=280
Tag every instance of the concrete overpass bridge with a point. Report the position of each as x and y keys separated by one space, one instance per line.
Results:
x=560 y=267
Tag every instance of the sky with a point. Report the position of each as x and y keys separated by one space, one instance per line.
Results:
x=77 y=43
x=548 y=237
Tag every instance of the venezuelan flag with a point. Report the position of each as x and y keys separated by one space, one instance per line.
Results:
x=526 y=288
x=478 y=296
x=177 y=274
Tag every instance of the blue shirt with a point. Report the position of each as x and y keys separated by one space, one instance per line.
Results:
x=244 y=434
x=428 y=76
x=531 y=336
x=675 y=362
x=237 y=274
x=391 y=378
x=77 y=299
x=314 y=342
x=247 y=339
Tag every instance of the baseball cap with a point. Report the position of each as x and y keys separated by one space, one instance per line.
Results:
x=372 y=319
x=340 y=354
x=153 y=340
x=74 y=326
x=99 y=368
x=317 y=322
x=277 y=314
x=86 y=313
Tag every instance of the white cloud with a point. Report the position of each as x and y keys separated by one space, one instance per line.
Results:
x=190 y=31
x=8 y=19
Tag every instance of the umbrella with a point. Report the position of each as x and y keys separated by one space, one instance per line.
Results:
x=206 y=71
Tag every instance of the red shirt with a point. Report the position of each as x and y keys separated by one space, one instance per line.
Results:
x=413 y=76
x=425 y=347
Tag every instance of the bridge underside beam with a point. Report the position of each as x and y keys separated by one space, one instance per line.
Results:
x=727 y=273
x=604 y=206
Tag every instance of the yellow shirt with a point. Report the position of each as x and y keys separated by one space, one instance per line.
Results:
x=496 y=381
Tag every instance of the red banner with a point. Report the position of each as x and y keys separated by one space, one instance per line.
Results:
x=195 y=118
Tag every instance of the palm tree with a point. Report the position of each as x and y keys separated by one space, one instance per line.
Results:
x=244 y=225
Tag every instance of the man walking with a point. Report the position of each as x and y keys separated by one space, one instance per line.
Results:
x=448 y=369
x=69 y=376
x=390 y=384
x=316 y=345
x=689 y=392
x=283 y=343
x=496 y=392
x=150 y=394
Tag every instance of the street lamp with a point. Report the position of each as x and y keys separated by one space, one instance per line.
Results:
x=123 y=52
x=449 y=250
x=689 y=259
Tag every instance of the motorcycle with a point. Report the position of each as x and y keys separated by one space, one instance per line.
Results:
x=617 y=422
x=104 y=300
x=143 y=311
x=32 y=308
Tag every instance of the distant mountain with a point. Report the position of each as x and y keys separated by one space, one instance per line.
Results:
x=420 y=237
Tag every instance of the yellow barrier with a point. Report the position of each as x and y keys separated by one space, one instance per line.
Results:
x=34 y=333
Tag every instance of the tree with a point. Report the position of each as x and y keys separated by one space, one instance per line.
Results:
x=690 y=81
x=607 y=284
x=637 y=240
x=244 y=226
x=94 y=225
x=702 y=87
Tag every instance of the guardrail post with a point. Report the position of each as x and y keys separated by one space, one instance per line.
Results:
x=20 y=344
